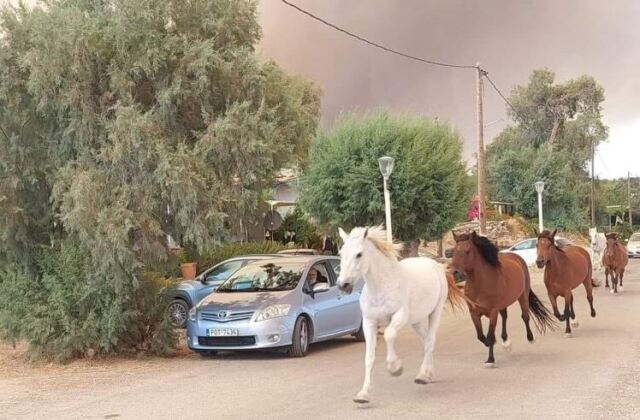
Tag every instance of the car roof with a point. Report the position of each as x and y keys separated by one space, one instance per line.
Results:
x=306 y=259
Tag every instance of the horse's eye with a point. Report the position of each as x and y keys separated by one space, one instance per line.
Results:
x=359 y=255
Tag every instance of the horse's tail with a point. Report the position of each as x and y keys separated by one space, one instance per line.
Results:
x=541 y=315
x=455 y=296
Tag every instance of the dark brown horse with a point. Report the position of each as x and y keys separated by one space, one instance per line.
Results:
x=614 y=260
x=493 y=282
x=564 y=269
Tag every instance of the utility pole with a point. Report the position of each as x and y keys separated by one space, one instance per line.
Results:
x=629 y=197
x=593 y=184
x=481 y=172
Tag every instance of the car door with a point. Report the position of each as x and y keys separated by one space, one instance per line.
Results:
x=347 y=310
x=321 y=306
x=527 y=250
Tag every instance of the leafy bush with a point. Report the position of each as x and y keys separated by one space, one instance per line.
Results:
x=305 y=233
x=67 y=310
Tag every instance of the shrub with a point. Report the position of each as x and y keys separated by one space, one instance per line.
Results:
x=206 y=260
x=66 y=310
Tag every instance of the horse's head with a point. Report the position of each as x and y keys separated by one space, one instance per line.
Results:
x=546 y=243
x=612 y=246
x=464 y=255
x=353 y=259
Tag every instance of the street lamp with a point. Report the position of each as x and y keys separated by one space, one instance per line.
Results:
x=386 y=167
x=539 y=188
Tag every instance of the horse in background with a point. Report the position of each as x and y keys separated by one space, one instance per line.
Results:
x=564 y=270
x=413 y=291
x=598 y=244
x=494 y=281
x=614 y=260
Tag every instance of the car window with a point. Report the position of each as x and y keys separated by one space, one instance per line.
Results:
x=260 y=276
x=635 y=237
x=223 y=271
x=525 y=245
x=335 y=264
x=322 y=274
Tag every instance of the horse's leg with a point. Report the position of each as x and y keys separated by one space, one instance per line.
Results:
x=554 y=304
x=606 y=276
x=398 y=320
x=588 y=286
x=614 y=281
x=506 y=343
x=572 y=314
x=491 y=337
x=621 y=276
x=429 y=329
x=369 y=327
x=477 y=323
x=568 y=301
x=526 y=317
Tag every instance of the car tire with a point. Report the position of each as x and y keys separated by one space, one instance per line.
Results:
x=359 y=335
x=301 y=338
x=177 y=313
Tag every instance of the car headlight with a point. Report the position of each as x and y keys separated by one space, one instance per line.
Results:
x=273 y=311
x=192 y=314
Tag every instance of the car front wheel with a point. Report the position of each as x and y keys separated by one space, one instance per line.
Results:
x=301 y=338
x=177 y=312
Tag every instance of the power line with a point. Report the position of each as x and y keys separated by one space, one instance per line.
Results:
x=374 y=44
x=504 y=98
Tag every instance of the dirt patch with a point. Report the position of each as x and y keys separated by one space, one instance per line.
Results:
x=15 y=363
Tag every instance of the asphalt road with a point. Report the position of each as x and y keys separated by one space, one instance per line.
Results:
x=593 y=375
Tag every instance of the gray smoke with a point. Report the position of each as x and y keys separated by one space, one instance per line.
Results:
x=509 y=38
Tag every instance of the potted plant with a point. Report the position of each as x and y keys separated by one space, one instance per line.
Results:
x=188 y=266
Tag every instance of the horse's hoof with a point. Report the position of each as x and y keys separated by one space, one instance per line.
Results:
x=423 y=379
x=361 y=398
x=568 y=335
x=575 y=324
x=489 y=365
x=532 y=341
x=612 y=291
x=606 y=285
x=593 y=314
x=621 y=289
x=506 y=345
x=395 y=368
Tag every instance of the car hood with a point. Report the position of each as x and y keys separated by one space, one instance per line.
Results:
x=245 y=300
x=189 y=285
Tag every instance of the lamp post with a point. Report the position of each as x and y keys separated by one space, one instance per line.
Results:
x=386 y=167
x=539 y=188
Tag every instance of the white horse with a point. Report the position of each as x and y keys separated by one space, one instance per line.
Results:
x=598 y=245
x=395 y=293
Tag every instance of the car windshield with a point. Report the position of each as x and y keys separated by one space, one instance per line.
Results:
x=264 y=277
x=635 y=237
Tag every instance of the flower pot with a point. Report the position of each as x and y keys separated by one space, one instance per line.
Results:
x=188 y=270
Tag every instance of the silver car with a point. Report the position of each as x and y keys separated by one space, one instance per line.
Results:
x=278 y=303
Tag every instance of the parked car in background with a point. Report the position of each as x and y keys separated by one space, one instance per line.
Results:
x=188 y=293
x=271 y=304
x=300 y=251
x=633 y=246
x=527 y=248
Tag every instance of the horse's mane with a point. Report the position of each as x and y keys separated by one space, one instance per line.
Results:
x=486 y=248
x=378 y=237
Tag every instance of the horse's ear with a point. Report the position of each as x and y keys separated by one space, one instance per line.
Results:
x=553 y=235
x=455 y=236
x=474 y=234
x=343 y=234
x=366 y=232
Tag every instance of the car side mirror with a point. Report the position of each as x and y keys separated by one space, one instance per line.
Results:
x=320 y=287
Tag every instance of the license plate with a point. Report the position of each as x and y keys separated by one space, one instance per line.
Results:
x=222 y=332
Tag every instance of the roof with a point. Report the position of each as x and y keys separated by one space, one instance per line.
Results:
x=303 y=259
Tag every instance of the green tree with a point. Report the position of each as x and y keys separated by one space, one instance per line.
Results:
x=343 y=185
x=123 y=121
x=551 y=140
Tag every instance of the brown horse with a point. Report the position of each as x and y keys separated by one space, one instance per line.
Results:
x=614 y=260
x=493 y=282
x=564 y=270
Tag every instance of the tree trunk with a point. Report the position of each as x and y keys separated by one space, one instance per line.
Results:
x=440 y=248
x=410 y=249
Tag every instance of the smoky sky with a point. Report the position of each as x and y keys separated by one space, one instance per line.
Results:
x=509 y=38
